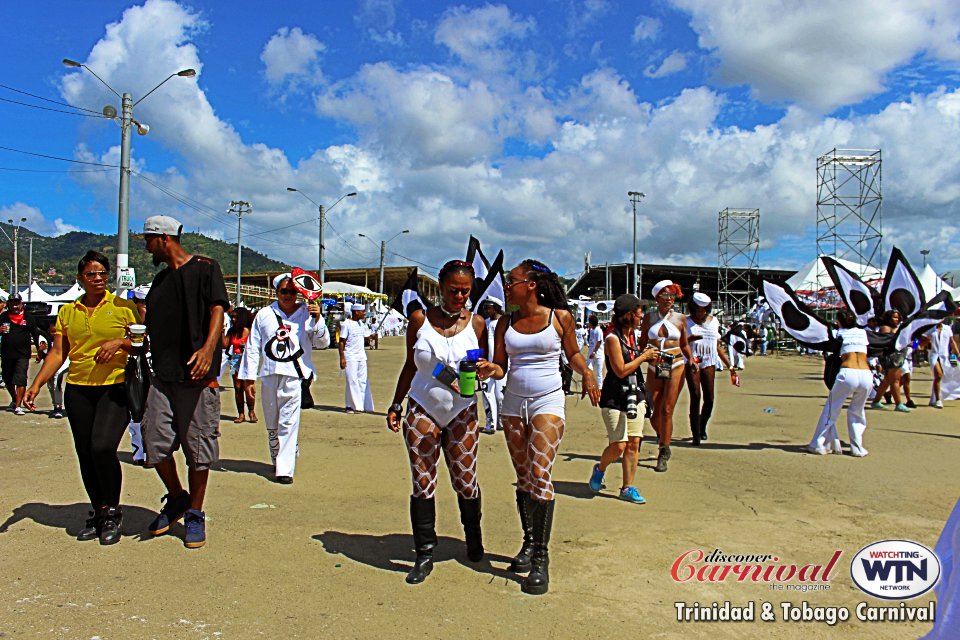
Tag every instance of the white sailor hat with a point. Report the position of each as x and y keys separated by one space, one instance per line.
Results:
x=280 y=278
x=140 y=293
x=701 y=299
x=657 y=288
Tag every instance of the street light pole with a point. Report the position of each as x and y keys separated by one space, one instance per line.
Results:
x=14 y=240
x=925 y=253
x=240 y=208
x=126 y=120
x=383 y=252
x=635 y=197
x=323 y=218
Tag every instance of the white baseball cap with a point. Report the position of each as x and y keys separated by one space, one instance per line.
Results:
x=162 y=226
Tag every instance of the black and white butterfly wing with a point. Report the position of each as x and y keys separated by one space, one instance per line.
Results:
x=856 y=294
x=797 y=319
x=933 y=313
x=901 y=286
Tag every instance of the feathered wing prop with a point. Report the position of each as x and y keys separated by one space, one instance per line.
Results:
x=901 y=287
x=798 y=320
x=859 y=297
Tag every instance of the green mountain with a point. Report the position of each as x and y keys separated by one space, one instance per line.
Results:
x=60 y=255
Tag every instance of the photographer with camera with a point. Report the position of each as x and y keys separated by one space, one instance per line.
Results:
x=621 y=397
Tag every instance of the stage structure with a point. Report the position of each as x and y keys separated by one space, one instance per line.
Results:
x=849 y=216
x=738 y=245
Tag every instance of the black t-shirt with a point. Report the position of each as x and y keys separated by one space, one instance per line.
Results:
x=21 y=338
x=612 y=394
x=178 y=316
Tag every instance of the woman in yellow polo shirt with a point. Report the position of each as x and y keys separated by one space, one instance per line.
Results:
x=92 y=332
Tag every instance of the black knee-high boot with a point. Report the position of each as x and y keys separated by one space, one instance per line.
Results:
x=470 y=519
x=521 y=562
x=423 y=518
x=538 y=581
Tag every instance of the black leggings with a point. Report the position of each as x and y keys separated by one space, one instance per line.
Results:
x=700 y=384
x=98 y=417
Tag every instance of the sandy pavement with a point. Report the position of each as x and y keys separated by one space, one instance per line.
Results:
x=326 y=557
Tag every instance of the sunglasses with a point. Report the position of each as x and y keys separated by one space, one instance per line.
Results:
x=288 y=292
x=509 y=282
x=95 y=274
x=461 y=292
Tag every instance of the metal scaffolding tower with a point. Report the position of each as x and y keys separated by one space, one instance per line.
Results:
x=849 y=199
x=737 y=247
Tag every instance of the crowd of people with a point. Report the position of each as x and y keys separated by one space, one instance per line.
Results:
x=519 y=363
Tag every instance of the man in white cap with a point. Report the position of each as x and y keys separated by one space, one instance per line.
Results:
x=353 y=360
x=492 y=310
x=187 y=301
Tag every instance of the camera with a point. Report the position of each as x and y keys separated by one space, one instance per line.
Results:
x=632 y=394
x=665 y=365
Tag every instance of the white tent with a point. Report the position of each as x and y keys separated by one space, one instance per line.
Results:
x=341 y=288
x=70 y=294
x=931 y=282
x=34 y=293
x=3 y=294
x=813 y=276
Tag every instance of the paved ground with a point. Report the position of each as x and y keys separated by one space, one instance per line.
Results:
x=326 y=556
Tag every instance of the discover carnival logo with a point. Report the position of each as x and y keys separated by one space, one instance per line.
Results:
x=895 y=569
x=696 y=566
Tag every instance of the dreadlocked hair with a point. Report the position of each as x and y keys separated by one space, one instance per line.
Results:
x=550 y=293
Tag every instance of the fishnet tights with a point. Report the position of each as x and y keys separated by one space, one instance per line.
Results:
x=458 y=439
x=533 y=447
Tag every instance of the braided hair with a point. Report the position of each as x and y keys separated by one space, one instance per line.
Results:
x=550 y=293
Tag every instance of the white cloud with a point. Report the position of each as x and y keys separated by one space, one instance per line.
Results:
x=378 y=18
x=673 y=63
x=35 y=221
x=822 y=56
x=647 y=28
x=479 y=36
x=292 y=56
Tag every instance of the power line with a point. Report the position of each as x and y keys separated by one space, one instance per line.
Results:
x=36 y=106
x=62 y=104
x=43 y=155
x=54 y=170
x=428 y=266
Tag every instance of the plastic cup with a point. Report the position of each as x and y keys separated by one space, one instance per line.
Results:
x=137 y=333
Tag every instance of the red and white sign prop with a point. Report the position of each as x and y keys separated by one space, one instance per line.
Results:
x=307 y=283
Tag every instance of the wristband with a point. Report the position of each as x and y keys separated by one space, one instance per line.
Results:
x=396 y=407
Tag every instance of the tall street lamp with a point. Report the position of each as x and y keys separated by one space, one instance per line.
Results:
x=635 y=197
x=925 y=253
x=383 y=252
x=323 y=213
x=125 y=278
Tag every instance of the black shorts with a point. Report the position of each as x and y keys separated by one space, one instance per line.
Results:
x=14 y=371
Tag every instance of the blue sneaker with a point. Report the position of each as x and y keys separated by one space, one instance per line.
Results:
x=195 y=523
x=596 y=479
x=630 y=494
x=172 y=511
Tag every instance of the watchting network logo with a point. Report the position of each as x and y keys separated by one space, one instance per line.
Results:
x=895 y=569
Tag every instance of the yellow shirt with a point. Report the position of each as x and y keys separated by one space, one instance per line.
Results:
x=86 y=332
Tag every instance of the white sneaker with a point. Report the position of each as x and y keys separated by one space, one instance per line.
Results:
x=19 y=411
x=939 y=405
x=816 y=451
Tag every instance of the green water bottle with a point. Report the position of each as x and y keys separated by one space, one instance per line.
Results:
x=468 y=378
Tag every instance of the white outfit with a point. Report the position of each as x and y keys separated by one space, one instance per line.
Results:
x=737 y=345
x=272 y=359
x=940 y=346
x=595 y=362
x=440 y=402
x=534 y=385
x=357 y=393
x=493 y=395
x=706 y=347
x=224 y=363
x=853 y=383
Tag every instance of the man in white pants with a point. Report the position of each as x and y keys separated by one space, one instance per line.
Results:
x=595 y=353
x=281 y=340
x=353 y=360
x=493 y=394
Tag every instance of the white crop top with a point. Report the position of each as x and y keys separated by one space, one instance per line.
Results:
x=673 y=333
x=854 y=340
x=706 y=347
x=534 y=369
x=441 y=403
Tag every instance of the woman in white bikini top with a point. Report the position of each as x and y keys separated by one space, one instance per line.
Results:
x=667 y=330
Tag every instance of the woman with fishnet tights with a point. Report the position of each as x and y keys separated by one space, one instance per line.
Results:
x=438 y=417
x=533 y=402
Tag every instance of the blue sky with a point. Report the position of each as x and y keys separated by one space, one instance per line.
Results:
x=524 y=123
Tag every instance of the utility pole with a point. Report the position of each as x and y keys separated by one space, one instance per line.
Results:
x=635 y=197
x=383 y=255
x=323 y=216
x=30 y=274
x=239 y=208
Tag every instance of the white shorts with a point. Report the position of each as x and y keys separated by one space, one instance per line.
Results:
x=553 y=403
